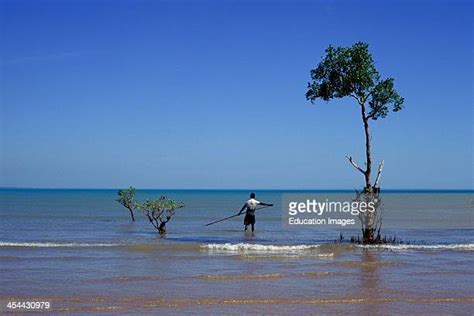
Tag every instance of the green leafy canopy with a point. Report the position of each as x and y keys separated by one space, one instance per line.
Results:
x=126 y=197
x=350 y=71
x=161 y=206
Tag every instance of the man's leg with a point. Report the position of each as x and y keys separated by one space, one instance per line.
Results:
x=253 y=227
x=246 y=227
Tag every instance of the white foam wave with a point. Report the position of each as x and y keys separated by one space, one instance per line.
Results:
x=422 y=247
x=258 y=248
x=54 y=245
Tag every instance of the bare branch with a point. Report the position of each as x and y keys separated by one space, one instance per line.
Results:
x=355 y=165
x=379 y=174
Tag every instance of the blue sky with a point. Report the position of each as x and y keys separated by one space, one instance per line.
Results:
x=210 y=94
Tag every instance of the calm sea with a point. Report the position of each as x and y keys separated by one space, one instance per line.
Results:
x=78 y=250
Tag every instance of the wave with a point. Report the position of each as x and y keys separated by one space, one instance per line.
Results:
x=259 y=248
x=55 y=245
x=305 y=249
x=421 y=247
x=242 y=247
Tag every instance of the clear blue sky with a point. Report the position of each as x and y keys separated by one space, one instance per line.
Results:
x=211 y=94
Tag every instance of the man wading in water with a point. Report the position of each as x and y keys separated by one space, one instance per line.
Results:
x=251 y=206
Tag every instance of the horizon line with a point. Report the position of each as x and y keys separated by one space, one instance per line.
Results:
x=235 y=189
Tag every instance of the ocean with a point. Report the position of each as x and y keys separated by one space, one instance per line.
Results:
x=79 y=251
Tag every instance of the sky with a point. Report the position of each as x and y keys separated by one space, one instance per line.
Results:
x=211 y=94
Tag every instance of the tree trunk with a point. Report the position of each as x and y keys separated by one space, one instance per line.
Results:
x=369 y=231
x=131 y=214
x=368 y=154
x=368 y=236
x=162 y=228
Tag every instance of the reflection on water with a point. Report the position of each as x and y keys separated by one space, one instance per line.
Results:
x=369 y=282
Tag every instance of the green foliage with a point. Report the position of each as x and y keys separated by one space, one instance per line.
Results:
x=350 y=71
x=160 y=211
x=160 y=208
x=126 y=197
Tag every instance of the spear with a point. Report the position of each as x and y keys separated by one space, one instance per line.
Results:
x=232 y=216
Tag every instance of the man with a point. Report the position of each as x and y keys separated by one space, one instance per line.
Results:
x=251 y=206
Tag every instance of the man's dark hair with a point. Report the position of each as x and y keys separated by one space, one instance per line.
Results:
x=252 y=195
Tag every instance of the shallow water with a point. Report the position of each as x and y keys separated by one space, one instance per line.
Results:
x=78 y=250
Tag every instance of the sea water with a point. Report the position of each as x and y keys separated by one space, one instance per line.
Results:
x=79 y=250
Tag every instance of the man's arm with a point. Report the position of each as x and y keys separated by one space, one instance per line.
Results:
x=265 y=204
x=243 y=208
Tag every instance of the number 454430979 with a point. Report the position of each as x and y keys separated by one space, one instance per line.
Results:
x=28 y=305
